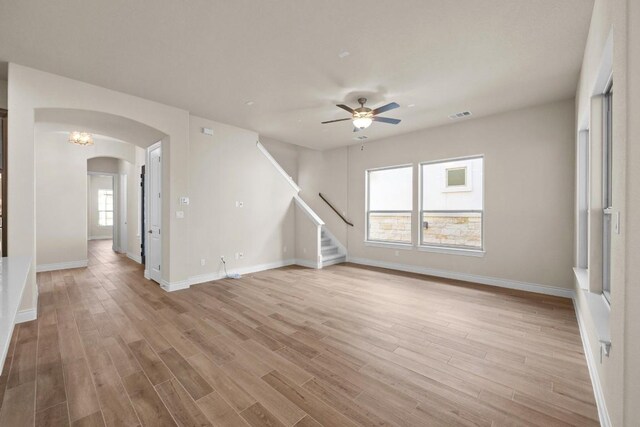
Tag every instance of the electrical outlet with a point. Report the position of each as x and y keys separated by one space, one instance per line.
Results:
x=203 y=261
x=239 y=204
x=180 y=214
x=239 y=255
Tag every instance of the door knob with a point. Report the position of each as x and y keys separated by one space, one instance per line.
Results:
x=150 y=232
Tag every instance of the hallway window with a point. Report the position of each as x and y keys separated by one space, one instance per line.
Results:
x=389 y=204
x=105 y=208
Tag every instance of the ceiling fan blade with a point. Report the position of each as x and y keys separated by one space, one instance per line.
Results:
x=386 y=120
x=346 y=107
x=389 y=106
x=333 y=121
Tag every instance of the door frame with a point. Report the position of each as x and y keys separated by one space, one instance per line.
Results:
x=147 y=228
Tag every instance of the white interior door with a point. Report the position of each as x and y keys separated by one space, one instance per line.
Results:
x=124 y=230
x=153 y=182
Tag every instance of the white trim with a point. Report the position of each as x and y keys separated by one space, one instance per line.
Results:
x=26 y=315
x=309 y=264
x=279 y=168
x=582 y=277
x=598 y=392
x=174 y=286
x=452 y=251
x=209 y=277
x=105 y=237
x=338 y=260
x=484 y=280
x=389 y=245
x=62 y=265
x=308 y=211
x=134 y=257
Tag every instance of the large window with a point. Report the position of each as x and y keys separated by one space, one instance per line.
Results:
x=451 y=210
x=390 y=204
x=105 y=208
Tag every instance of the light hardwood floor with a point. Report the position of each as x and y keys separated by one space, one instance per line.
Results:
x=341 y=346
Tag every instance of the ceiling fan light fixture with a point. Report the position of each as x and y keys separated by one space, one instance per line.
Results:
x=362 y=122
x=81 y=138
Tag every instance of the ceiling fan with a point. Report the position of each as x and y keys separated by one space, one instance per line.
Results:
x=362 y=117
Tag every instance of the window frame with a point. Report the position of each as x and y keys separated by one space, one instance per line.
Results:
x=107 y=193
x=442 y=248
x=367 y=212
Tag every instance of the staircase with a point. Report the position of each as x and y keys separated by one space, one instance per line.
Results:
x=332 y=250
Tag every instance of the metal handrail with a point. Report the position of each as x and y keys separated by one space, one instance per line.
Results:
x=335 y=210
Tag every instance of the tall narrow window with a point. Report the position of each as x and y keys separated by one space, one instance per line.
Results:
x=607 y=193
x=451 y=209
x=105 y=208
x=390 y=204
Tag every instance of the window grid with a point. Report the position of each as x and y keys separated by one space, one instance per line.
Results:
x=424 y=213
x=390 y=212
x=105 y=208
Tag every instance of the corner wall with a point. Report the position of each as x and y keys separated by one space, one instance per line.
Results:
x=226 y=168
x=31 y=89
x=529 y=169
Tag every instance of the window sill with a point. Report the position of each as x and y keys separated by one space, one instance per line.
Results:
x=452 y=251
x=600 y=312
x=389 y=245
x=582 y=276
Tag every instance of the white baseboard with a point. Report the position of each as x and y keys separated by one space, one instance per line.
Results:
x=308 y=263
x=62 y=265
x=202 y=278
x=26 y=315
x=174 y=286
x=484 y=280
x=603 y=413
x=135 y=257
x=334 y=261
x=109 y=237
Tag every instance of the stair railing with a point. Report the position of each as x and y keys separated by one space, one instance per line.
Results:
x=335 y=210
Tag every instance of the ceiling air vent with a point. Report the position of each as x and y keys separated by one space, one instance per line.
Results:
x=361 y=137
x=460 y=115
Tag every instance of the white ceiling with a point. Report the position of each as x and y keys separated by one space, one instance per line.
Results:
x=211 y=57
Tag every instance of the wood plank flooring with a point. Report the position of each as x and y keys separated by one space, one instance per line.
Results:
x=342 y=346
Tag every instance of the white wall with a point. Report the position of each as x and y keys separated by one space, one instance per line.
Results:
x=103 y=164
x=528 y=167
x=287 y=155
x=31 y=89
x=61 y=193
x=224 y=169
x=94 y=229
x=619 y=374
x=326 y=172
